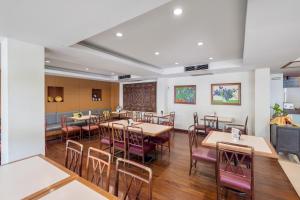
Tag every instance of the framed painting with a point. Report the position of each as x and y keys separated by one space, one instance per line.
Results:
x=226 y=94
x=185 y=94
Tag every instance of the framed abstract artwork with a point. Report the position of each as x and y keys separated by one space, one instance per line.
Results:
x=185 y=94
x=226 y=94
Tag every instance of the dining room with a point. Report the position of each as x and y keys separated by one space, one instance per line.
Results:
x=154 y=100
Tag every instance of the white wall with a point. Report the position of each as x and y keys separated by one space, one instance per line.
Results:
x=22 y=100
x=277 y=92
x=184 y=113
x=262 y=102
x=293 y=96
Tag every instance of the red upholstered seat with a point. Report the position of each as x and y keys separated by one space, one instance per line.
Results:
x=138 y=150
x=167 y=123
x=160 y=139
x=106 y=141
x=91 y=127
x=119 y=145
x=230 y=178
x=71 y=129
x=199 y=127
x=202 y=153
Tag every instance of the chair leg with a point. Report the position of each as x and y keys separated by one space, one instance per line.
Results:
x=191 y=165
x=161 y=150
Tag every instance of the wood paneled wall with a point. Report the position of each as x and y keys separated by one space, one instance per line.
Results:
x=78 y=94
x=140 y=96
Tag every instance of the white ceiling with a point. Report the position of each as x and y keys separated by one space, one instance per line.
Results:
x=53 y=23
x=272 y=36
x=239 y=34
x=219 y=24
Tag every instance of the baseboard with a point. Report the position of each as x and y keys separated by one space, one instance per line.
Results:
x=180 y=130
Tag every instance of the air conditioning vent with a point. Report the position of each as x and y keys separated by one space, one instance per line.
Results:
x=124 y=77
x=196 y=68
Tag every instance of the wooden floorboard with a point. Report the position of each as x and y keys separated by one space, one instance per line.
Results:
x=172 y=181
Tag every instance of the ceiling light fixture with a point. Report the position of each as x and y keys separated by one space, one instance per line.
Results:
x=177 y=11
x=119 y=34
x=112 y=73
x=210 y=58
x=176 y=63
x=156 y=53
x=47 y=61
x=87 y=69
x=200 y=43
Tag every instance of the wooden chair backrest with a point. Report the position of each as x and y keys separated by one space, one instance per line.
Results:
x=193 y=142
x=118 y=133
x=98 y=167
x=211 y=121
x=133 y=181
x=234 y=159
x=196 y=119
x=135 y=137
x=148 y=117
x=73 y=156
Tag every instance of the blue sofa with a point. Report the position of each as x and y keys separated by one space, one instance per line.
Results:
x=53 y=119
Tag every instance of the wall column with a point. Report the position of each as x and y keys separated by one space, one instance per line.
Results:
x=22 y=100
x=262 y=103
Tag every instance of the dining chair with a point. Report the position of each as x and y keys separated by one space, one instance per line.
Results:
x=107 y=115
x=211 y=123
x=147 y=118
x=92 y=126
x=242 y=127
x=199 y=128
x=135 y=179
x=67 y=130
x=73 y=156
x=235 y=169
x=137 y=143
x=197 y=152
x=129 y=115
x=119 y=139
x=137 y=116
x=164 y=140
x=105 y=138
x=98 y=167
x=170 y=122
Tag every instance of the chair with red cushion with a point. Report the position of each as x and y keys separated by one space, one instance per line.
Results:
x=105 y=138
x=241 y=127
x=137 y=144
x=235 y=169
x=197 y=152
x=92 y=126
x=69 y=130
x=211 y=123
x=199 y=128
x=119 y=139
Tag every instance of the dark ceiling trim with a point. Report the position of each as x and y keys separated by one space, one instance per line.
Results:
x=289 y=63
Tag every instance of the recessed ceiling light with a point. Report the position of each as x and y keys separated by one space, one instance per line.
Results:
x=156 y=53
x=176 y=63
x=112 y=73
x=47 y=61
x=87 y=69
x=177 y=11
x=200 y=43
x=119 y=34
x=210 y=58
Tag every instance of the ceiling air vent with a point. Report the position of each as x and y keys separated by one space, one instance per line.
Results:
x=196 y=68
x=124 y=77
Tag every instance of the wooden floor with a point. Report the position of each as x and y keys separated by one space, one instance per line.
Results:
x=172 y=181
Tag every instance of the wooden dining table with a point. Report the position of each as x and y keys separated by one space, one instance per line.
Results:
x=83 y=117
x=36 y=176
x=260 y=145
x=149 y=129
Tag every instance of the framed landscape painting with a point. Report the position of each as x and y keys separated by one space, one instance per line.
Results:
x=185 y=94
x=226 y=94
